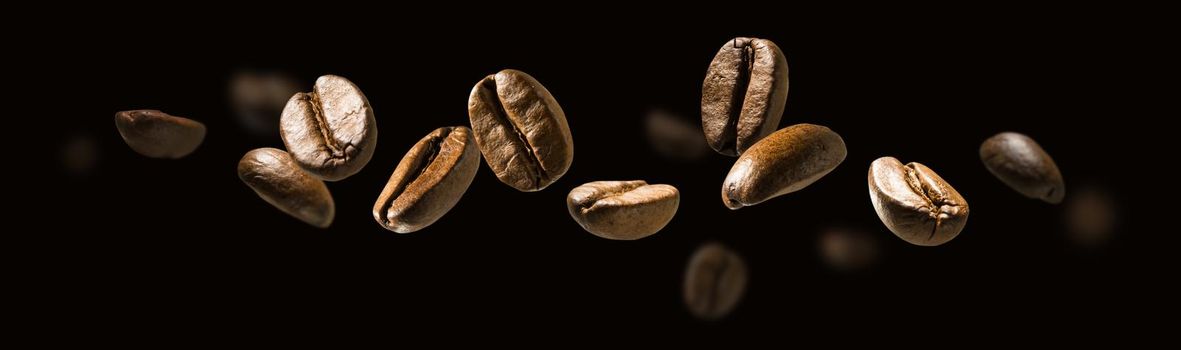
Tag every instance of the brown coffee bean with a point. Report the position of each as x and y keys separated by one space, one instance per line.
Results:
x=156 y=134
x=782 y=163
x=330 y=131
x=915 y=203
x=623 y=210
x=429 y=180
x=848 y=250
x=521 y=130
x=715 y=281
x=1091 y=216
x=1022 y=164
x=744 y=93
x=674 y=138
x=275 y=177
x=258 y=97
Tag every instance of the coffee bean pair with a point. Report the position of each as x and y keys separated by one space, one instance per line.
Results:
x=922 y=208
x=518 y=127
x=330 y=134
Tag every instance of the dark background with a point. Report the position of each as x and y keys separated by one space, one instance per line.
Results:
x=182 y=246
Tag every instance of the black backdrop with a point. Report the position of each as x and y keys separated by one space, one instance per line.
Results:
x=183 y=245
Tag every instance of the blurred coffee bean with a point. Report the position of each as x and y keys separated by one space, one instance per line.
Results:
x=847 y=250
x=1091 y=216
x=79 y=154
x=258 y=97
x=675 y=138
x=715 y=281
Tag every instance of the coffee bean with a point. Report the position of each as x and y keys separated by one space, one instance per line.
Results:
x=258 y=98
x=674 y=138
x=915 y=203
x=1091 y=216
x=156 y=134
x=715 y=281
x=744 y=93
x=275 y=177
x=429 y=180
x=1023 y=165
x=521 y=130
x=623 y=210
x=848 y=250
x=330 y=131
x=782 y=163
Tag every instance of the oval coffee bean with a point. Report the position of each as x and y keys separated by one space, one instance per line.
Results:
x=429 y=180
x=156 y=134
x=782 y=163
x=715 y=281
x=623 y=210
x=521 y=130
x=330 y=131
x=1023 y=165
x=744 y=93
x=915 y=203
x=674 y=138
x=275 y=177
x=258 y=98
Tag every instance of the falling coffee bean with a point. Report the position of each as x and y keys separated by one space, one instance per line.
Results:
x=715 y=281
x=915 y=203
x=258 y=97
x=623 y=210
x=521 y=130
x=782 y=163
x=156 y=134
x=848 y=250
x=275 y=177
x=330 y=131
x=429 y=180
x=1022 y=164
x=1091 y=216
x=674 y=138
x=744 y=93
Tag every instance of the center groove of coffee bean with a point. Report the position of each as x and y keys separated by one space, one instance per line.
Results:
x=422 y=162
x=738 y=97
x=935 y=201
x=322 y=124
x=712 y=295
x=591 y=201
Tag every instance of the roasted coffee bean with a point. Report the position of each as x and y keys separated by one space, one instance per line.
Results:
x=623 y=210
x=1091 y=216
x=80 y=154
x=674 y=138
x=330 y=131
x=744 y=93
x=782 y=163
x=429 y=180
x=715 y=281
x=848 y=250
x=521 y=130
x=158 y=135
x=1023 y=165
x=258 y=98
x=275 y=177
x=915 y=203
